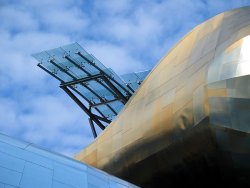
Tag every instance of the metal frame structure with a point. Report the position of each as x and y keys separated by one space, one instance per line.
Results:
x=104 y=91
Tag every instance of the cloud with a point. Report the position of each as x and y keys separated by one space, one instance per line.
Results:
x=125 y=35
x=31 y=106
x=113 y=7
x=16 y=20
x=116 y=57
x=8 y=116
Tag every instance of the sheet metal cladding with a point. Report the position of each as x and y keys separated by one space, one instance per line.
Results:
x=189 y=122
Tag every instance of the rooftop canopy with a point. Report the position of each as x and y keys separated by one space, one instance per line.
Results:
x=87 y=81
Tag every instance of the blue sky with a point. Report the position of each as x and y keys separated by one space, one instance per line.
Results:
x=126 y=35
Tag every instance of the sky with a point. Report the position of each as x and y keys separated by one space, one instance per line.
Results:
x=126 y=35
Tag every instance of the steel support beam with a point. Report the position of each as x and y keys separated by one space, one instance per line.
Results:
x=110 y=84
x=50 y=73
x=130 y=88
x=105 y=102
x=92 y=127
x=96 y=94
x=102 y=119
x=90 y=103
x=81 y=80
x=98 y=68
x=84 y=108
x=89 y=74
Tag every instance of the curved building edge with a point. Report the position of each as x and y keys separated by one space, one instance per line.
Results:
x=189 y=120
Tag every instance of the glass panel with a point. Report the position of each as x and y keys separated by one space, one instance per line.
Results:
x=62 y=75
x=135 y=77
x=100 y=89
x=73 y=62
x=85 y=92
x=142 y=75
x=129 y=78
x=120 y=82
x=117 y=105
x=134 y=86
x=41 y=57
x=106 y=111
x=96 y=61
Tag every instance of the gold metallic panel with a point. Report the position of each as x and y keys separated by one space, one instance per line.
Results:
x=189 y=110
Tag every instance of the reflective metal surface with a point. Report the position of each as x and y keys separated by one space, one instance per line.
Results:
x=189 y=122
x=26 y=166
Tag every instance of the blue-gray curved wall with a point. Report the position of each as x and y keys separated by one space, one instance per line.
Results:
x=26 y=166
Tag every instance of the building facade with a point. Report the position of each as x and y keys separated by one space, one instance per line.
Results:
x=189 y=121
x=24 y=165
x=187 y=124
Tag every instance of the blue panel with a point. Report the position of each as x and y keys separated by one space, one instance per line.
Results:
x=113 y=184
x=97 y=172
x=114 y=180
x=13 y=163
x=97 y=178
x=36 y=176
x=94 y=181
x=56 y=157
x=61 y=171
x=57 y=184
x=9 y=176
x=14 y=142
x=22 y=154
x=70 y=175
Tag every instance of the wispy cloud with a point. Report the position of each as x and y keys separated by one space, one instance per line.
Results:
x=125 y=35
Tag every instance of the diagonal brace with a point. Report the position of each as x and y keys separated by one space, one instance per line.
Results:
x=83 y=107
